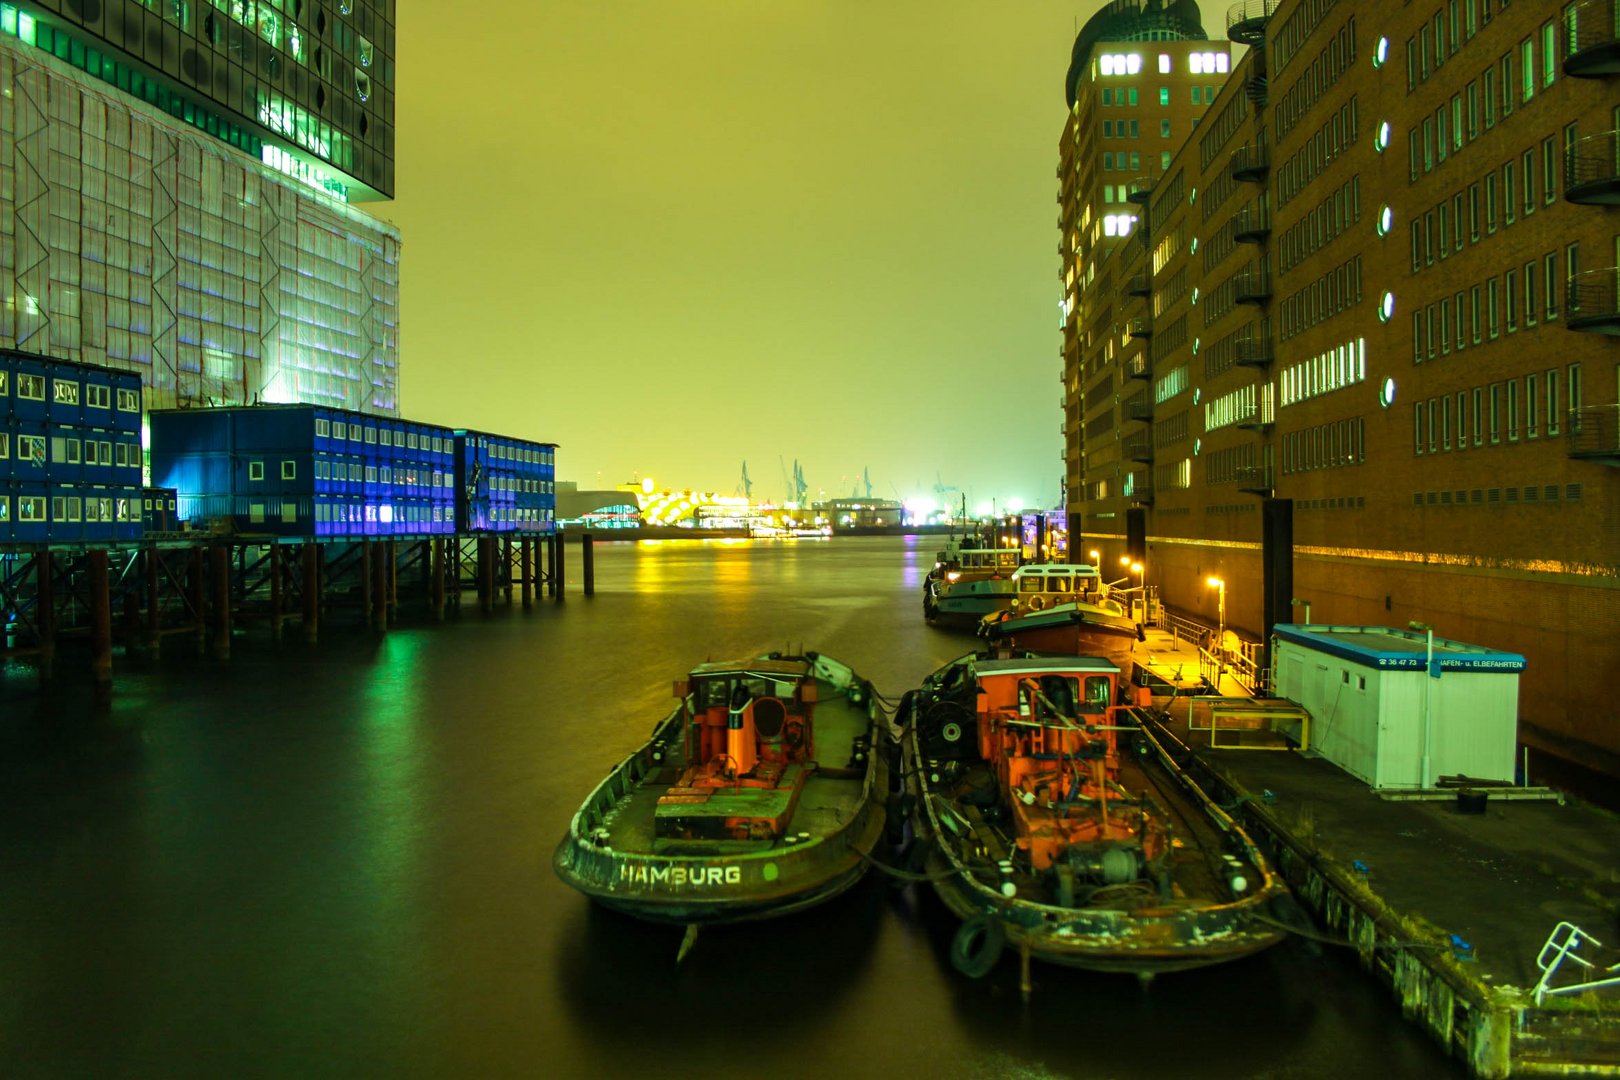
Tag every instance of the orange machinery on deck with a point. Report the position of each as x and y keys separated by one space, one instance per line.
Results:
x=1052 y=741
x=749 y=747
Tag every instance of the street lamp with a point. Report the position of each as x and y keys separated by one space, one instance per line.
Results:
x=1220 y=635
x=1096 y=558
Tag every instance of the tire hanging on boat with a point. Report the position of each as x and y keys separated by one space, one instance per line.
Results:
x=978 y=945
x=1036 y=603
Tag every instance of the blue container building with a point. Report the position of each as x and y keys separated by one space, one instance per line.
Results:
x=505 y=485
x=70 y=451
x=305 y=470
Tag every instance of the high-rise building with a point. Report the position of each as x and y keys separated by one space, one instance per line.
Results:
x=177 y=176
x=1357 y=358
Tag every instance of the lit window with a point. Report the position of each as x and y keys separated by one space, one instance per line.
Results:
x=1381 y=139
x=1164 y=96
x=1386 y=221
x=1381 y=52
x=1386 y=307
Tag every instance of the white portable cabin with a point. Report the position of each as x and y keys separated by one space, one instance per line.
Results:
x=1386 y=711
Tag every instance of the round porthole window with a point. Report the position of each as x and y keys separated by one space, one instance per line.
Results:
x=1381 y=137
x=1386 y=393
x=1381 y=52
x=1386 y=307
x=1386 y=221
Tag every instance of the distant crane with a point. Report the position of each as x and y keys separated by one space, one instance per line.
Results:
x=800 y=488
x=866 y=477
x=747 y=484
x=941 y=487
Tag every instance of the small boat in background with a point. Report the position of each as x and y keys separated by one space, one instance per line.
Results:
x=969 y=582
x=1064 y=608
x=762 y=793
x=1053 y=821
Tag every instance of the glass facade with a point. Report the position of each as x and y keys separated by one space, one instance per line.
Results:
x=311 y=79
x=131 y=239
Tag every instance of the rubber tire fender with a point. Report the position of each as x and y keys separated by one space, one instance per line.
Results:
x=978 y=945
x=1036 y=603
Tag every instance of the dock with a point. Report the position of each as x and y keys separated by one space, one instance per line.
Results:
x=1481 y=909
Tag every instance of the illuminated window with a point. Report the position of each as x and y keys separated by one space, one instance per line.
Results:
x=1164 y=97
x=1164 y=68
x=255 y=470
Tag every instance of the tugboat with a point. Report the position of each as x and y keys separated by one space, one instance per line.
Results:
x=762 y=793
x=1052 y=820
x=1064 y=608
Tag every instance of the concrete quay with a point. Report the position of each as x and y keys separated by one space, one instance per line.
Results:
x=1453 y=911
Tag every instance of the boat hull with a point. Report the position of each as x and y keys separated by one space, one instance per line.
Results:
x=610 y=852
x=1145 y=933
x=1069 y=631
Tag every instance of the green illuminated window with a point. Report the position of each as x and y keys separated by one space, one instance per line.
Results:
x=1164 y=95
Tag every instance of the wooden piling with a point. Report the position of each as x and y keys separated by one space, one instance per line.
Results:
x=275 y=593
x=562 y=568
x=393 y=582
x=505 y=545
x=100 y=619
x=523 y=571
x=365 y=582
x=436 y=582
x=587 y=551
x=199 y=604
x=45 y=612
x=220 y=558
x=154 y=602
x=486 y=574
x=312 y=592
x=379 y=589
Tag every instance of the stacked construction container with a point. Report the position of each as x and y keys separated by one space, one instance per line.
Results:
x=504 y=485
x=305 y=470
x=70 y=452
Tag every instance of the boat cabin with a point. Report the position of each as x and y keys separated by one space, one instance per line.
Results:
x=1041 y=585
x=749 y=738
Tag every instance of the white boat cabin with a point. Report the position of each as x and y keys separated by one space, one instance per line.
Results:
x=1040 y=585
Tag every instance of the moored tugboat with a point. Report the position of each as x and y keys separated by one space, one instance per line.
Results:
x=1052 y=820
x=762 y=793
x=1064 y=608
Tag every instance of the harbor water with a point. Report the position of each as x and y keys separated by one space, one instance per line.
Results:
x=335 y=861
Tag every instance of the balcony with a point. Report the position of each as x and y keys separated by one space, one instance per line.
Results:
x=1255 y=479
x=1138 y=367
x=1252 y=224
x=1252 y=286
x=1139 y=284
x=1139 y=487
x=1592 y=170
x=1139 y=447
x=1246 y=21
x=1594 y=301
x=1254 y=349
x=1251 y=162
x=1140 y=327
x=1594 y=433
x=1139 y=190
x=1591 y=34
x=1139 y=408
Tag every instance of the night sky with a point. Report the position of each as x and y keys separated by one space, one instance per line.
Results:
x=674 y=236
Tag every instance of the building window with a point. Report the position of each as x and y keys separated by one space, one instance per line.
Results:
x=1474 y=322
x=1552 y=402
x=1549 y=276
x=1532 y=417
x=97 y=397
x=1473 y=212
x=1549 y=61
x=1530 y=297
x=1479 y=431
x=64 y=392
x=1513 y=410
x=1462 y=419
x=1164 y=95
x=1509 y=207
x=1528 y=167
x=1511 y=292
x=255 y=470
x=289 y=470
x=1164 y=129
x=1490 y=203
x=1492 y=325
x=323 y=428
x=1527 y=67
x=1417 y=428
x=1489 y=94
x=1496 y=413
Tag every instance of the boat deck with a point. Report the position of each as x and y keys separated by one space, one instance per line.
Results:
x=1451 y=908
x=824 y=804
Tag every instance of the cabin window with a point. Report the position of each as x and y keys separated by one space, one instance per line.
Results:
x=1057 y=584
x=1029 y=584
x=1097 y=690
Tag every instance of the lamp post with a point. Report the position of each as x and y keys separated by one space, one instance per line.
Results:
x=1096 y=558
x=1428 y=680
x=1220 y=634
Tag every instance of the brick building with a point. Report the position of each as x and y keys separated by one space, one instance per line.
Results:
x=1359 y=347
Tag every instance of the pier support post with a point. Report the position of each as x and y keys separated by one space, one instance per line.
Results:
x=486 y=574
x=276 y=614
x=312 y=592
x=100 y=622
x=131 y=632
x=379 y=588
x=523 y=571
x=436 y=576
x=45 y=612
x=220 y=557
x=562 y=568
x=393 y=582
x=154 y=602
x=365 y=581
x=587 y=551
x=199 y=604
x=551 y=565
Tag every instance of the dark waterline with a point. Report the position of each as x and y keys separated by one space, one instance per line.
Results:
x=336 y=862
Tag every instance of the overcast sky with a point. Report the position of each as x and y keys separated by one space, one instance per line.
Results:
x=675 y=236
